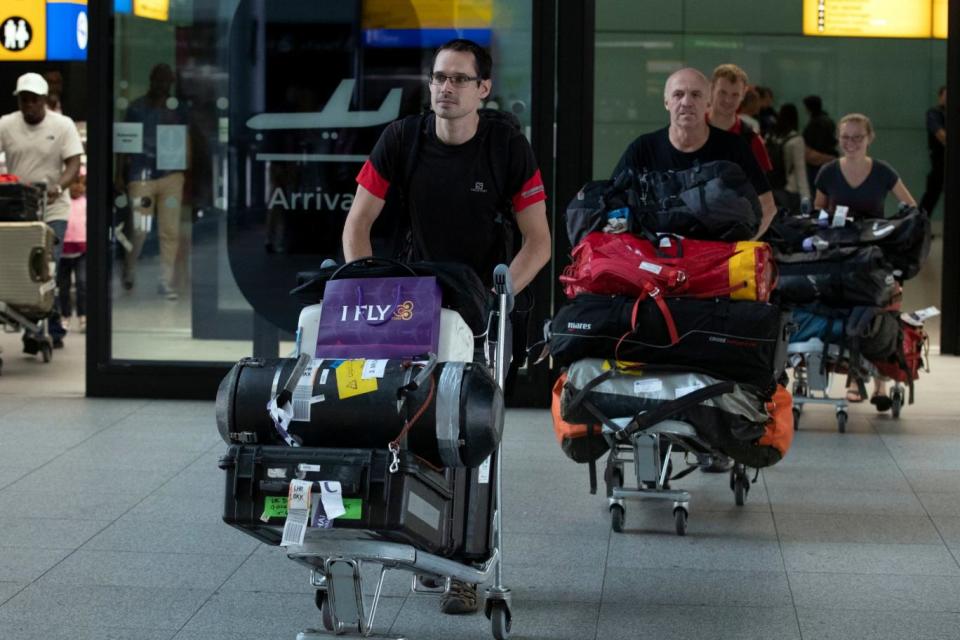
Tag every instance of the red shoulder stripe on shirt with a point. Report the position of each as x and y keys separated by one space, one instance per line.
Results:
x=530 y=193
x=371 y=180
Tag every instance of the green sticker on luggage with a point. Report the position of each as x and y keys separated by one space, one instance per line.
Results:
x=274 y=507
x=354 y=507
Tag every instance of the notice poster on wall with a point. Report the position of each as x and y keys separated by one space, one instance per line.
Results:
x=868 y=18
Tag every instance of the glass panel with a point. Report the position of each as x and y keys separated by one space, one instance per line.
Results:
x=894 y=81
x=239 y=126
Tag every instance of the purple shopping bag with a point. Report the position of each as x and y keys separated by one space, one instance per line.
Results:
x=379 y=318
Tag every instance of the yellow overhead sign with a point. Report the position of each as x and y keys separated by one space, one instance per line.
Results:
x=940 y=18
x=153 y=9
x=868 y=18
x=23 y=30
x=427 y=14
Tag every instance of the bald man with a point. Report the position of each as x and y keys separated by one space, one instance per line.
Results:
x=689 y=140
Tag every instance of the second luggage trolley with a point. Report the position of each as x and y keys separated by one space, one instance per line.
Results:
x=647 y=441
x=407 y=486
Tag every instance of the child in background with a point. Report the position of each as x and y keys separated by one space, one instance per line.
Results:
x=73 y=262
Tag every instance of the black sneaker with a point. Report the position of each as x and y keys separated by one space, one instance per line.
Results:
x=58 y=343
x=460 y=598
x=718 y=464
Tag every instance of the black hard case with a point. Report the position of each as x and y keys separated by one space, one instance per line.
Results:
x=418 y=505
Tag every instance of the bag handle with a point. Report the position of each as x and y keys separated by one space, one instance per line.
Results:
x=386 y=318
x=370 y=261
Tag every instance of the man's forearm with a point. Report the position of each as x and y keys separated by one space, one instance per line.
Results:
x=356 y=242
x=528 y=262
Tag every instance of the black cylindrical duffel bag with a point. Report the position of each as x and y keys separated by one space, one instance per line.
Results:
x=841 y=277
x=734 y=340
x=336 y=407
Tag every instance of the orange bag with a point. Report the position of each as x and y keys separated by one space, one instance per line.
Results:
x=779 y=431
x=574 y=439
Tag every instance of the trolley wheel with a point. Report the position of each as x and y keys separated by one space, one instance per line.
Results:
x=897 y=402
x=842 y=421
x=796 y=418
x=320 y=599
x=46 y=352
x=501 y=620
x=617 y=515
x=740 y=489
x=680 y=520
x=799 y=389
x=616 y=480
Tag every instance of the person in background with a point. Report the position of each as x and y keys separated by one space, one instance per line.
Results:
x=43 y=146
x=937 y=143
x=789 y=175
x=819 y=138
x=861 y=183
x=768 y=114
x=72 y=268
x=727 y=89
x=750 y=109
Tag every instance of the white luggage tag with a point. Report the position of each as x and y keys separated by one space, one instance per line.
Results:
x=329 y=507
x=298 y=510
x=840 y=216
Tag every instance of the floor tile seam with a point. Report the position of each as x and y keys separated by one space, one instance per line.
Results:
x=15 y=594
x=783 y=560
x=216 y=591
x=603 y=583
x=221 y=554
x=956 y=561
x=886 y=574
x=88 y=438
x=875 y=610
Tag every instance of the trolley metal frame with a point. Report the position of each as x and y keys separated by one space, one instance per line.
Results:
x=335 y=557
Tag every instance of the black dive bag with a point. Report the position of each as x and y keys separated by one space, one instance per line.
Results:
x=734 y=340
x=334 y=406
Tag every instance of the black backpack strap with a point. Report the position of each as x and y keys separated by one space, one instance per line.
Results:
x=411 y=129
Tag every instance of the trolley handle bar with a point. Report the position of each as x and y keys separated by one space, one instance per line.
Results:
x=503 y=284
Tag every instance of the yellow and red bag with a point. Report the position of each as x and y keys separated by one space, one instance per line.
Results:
x=625 y=264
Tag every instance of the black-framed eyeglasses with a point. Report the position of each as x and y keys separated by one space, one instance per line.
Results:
x=458 y=80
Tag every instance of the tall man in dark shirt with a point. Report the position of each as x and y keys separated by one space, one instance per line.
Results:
x=937 y=143
x=453 y=194
x=689 y=139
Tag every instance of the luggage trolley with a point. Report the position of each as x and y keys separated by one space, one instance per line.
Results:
x=647 y=441
x=336 y=556
x=13 y=317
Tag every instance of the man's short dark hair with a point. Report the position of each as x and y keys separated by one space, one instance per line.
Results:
x=482 y=59
x=813 y=104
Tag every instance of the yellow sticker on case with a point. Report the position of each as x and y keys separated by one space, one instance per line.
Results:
x=350 y=380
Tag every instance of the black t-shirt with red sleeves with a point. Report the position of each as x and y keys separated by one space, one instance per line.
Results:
x=453 y=194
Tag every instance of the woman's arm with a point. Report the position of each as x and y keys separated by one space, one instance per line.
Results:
x=903 y=194
x=799 y=167
x=820 y=201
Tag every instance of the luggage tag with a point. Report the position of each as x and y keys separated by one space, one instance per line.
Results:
x=303 y=393
x=840 y=216
x=329 y=506
x=281 y=419
x=298 y=508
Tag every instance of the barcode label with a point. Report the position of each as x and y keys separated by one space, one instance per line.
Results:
x=295 y=528
x=651 y=267
x=303 y=393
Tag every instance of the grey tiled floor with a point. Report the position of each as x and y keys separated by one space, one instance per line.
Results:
x=110 y=530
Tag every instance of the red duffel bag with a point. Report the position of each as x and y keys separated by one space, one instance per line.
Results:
x=625 y=264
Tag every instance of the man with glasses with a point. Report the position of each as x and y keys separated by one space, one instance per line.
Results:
x=467 y=169
x=453 y=196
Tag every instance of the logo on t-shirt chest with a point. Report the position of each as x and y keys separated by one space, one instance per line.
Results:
x=478 y=187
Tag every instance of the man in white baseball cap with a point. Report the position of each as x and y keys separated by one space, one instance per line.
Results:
x=43 y=146
x=31 y=83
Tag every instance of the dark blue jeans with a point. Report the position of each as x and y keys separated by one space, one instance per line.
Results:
x=54 y=324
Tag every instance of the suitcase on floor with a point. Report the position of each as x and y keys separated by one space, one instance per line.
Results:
x=26 y=277
x=19 y=202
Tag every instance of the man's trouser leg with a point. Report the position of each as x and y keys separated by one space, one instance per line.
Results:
x=54 y=324
x=934 y=184
x=142 y=199
x=169 y=195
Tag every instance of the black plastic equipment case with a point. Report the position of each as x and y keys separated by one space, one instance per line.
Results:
x=417 y=505
x=19 y=202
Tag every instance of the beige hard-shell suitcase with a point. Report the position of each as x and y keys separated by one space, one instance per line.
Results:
x=26 y=275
